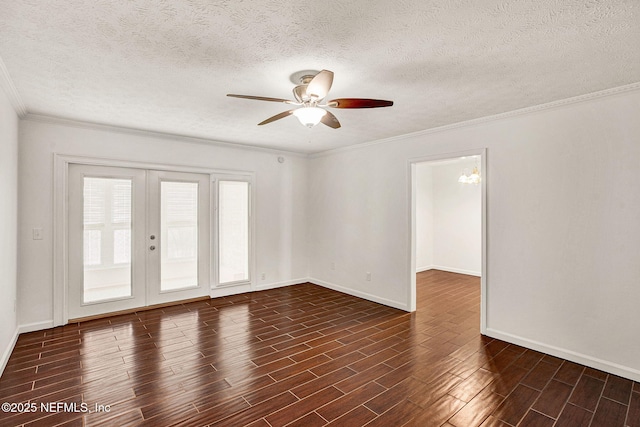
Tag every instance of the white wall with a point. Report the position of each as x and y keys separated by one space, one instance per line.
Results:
x=280 y=235
x=8 y=226
x=424 y=216
x=562 y=225
x=448 y=218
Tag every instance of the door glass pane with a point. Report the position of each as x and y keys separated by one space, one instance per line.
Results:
x=233 y=230
x=178 y=235
x=107 y=239
x=122 y=246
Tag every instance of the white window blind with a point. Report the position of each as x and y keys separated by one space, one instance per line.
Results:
x=233 y=231
x=179 y=235
x=121 y=202
x=107 y=221
x=107 y=242
x=121 y=246
x=181 y=200
x=180 y=219
x=94 y=201
x=92 y=247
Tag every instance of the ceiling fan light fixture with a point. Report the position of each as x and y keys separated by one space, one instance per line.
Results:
x=309 y=116
x=311 y=88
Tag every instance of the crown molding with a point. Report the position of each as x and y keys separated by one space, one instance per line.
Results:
x=43 y=118
x=12 y=93
x=486 y=119
x=22 y=113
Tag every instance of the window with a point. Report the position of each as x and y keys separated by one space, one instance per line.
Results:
x=107 y=222
x=179 y=235
x=233 y=231
x=107 y=238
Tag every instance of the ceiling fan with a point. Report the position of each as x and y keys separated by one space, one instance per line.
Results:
x=312 y=87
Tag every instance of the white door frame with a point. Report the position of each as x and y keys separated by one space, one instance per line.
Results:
x=61 y=164
x=482 y=152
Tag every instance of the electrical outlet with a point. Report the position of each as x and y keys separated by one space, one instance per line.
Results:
x=263 y=276
x=333 y=265
x=368 y=276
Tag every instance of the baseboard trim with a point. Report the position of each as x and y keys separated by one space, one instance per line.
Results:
x=36 y=326
x=583 y=359
x=7 y=351
x=450 y=270
x=359 y=294
x=282 y=284
x=225 y=291
x=21 y=329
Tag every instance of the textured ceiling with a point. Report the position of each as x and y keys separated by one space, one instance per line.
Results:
x=166 y=65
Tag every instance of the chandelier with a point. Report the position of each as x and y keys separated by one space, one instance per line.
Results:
x=472 y=178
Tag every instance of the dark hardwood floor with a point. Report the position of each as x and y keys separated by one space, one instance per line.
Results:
x=305 y=356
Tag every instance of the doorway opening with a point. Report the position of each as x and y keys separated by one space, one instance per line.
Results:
x=448 y=223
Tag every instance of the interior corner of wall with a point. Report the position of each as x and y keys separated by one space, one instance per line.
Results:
x=8 y=350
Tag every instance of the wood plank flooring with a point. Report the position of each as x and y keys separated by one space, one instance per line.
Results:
x=305 y=356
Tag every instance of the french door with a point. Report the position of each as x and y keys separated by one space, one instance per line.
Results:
x=136 y=238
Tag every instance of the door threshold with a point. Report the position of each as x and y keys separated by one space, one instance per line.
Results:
x=136 y=310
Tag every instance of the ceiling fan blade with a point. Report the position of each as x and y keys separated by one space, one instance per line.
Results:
x=330 y=120
x=358 y=103
x=262 y=98
x=319 y=86
x=276 y=117
x=300 y=93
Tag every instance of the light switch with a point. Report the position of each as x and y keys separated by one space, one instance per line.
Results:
x=37 y=234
